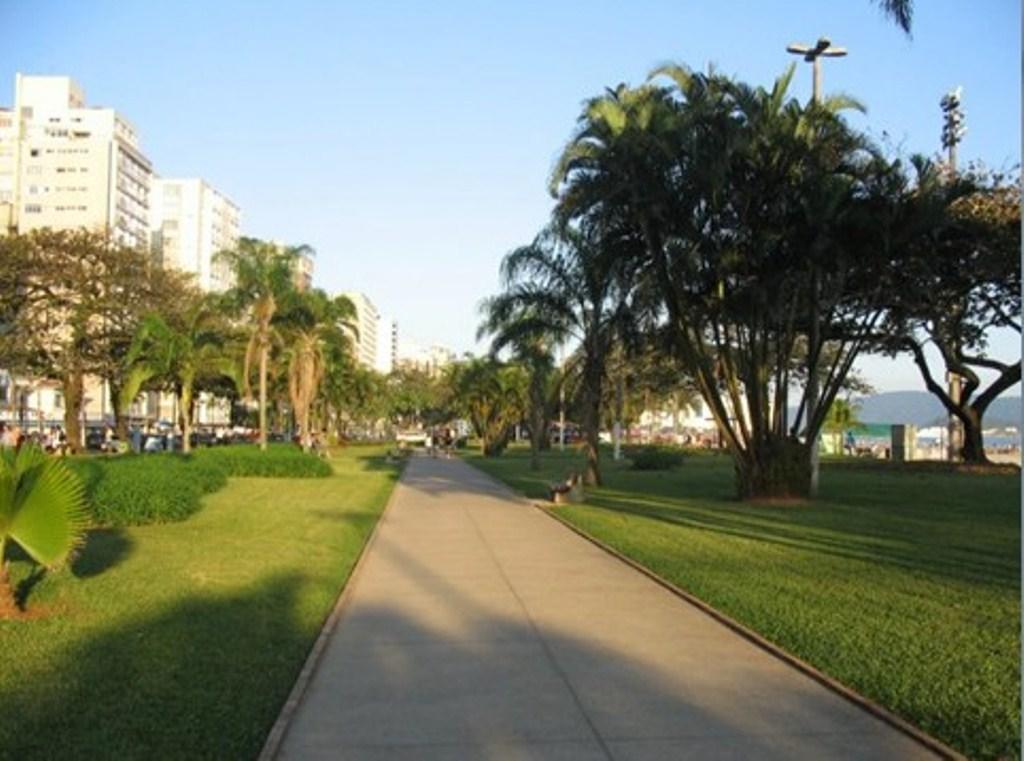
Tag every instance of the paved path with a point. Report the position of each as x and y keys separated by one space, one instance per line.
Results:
x=481 y=629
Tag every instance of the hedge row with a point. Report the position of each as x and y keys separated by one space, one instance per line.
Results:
x=279 y=461
x=133 y=490
x=655 y=457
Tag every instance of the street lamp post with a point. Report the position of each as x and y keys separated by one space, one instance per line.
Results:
x=813 y=55
x=953 y=130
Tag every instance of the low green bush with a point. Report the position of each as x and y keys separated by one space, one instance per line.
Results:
x=279 y=461
x=655 y=457
x=134 y=490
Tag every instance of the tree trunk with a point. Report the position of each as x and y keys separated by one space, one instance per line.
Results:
x=779 y=468
x=592 y=423
x=303 y=415
x=263 y=395
x=537 y=415
x=185 y=413
x=8 y=603
x=617 y=425
x=73 y=387
x=536 y=432
x=120 y=412
x=973 y=450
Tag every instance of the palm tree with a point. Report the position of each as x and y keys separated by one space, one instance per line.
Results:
x=263 y=273
x=532 y=351
x=42 y=509
x=492 y=396
x=313 y=324
x=568 y=286
x=742 y=198
x=900 y=11
x=181 y=351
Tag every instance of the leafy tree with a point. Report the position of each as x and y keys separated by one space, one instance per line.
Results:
x=414 y=397
x=765 y=225
x=80 y=299
x=42 y=510
x=647 y=377
x=264 y=273
x=960 y=280
x=354 y=395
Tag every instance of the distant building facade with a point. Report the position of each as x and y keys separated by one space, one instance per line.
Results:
x=65 y=165
x=190 y=222
x=303 y=273
x=431 y=360
x=367 y=325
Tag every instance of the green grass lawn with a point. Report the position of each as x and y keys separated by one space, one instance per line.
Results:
x=183 y=640
x=902 y=585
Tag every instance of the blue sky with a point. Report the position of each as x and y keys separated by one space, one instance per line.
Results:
x=410 y=142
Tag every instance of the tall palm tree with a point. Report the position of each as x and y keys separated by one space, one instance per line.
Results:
x=738 y=195
x=531 y=349
x=313 y=324
x=569 y=286
x=263 y=274
x=42 y=509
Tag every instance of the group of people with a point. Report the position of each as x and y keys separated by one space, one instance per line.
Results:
x=442 y=440
x=53 y=440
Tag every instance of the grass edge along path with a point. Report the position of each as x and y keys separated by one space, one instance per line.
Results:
x=185 y=639
x=908 y=594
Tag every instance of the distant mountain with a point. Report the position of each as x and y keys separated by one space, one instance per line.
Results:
x=923 y=409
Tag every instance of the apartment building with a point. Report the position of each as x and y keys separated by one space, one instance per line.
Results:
x=367 y=323
x=304 y=272
x=387 y=350
x=66 y=165
x=190 y=221
x=431 y=360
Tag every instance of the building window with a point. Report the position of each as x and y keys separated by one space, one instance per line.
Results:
x=33 y=208
x=58 y=400
x=33 y=152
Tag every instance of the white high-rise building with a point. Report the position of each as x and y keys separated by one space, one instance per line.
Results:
x=387 y=346
x=431 y=360
x=65 y=165
x=190 y=222
x=367 y=323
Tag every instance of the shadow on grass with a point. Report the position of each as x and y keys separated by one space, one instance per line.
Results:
x=955 y=563
x=203 y=679
x=937 y=524
x=104 y=549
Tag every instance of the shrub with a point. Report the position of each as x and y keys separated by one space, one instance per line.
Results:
x=279 y=461
x=133 y=490
x=655 y=457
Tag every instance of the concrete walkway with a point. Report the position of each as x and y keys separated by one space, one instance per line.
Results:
x=479 y=628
